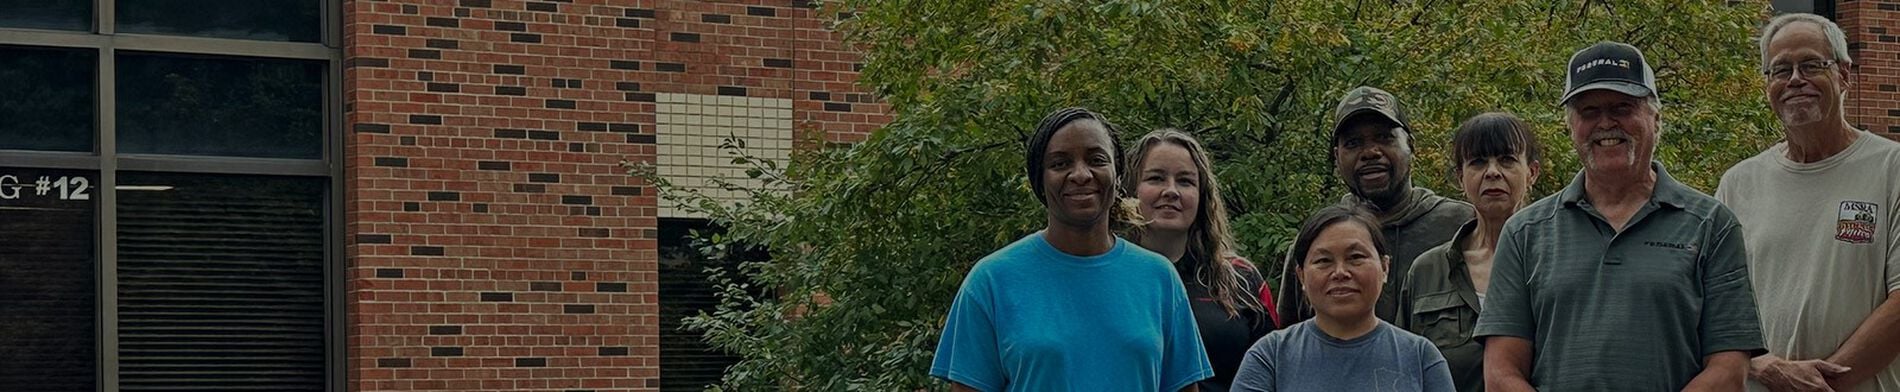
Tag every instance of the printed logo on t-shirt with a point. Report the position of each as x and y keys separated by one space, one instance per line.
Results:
x=1387 y=379
x=1857 y=222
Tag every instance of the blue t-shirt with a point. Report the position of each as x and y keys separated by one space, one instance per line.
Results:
x=1303 y=358
x=1031 y=318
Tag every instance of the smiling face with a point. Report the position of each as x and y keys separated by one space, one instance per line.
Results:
x=1169 y=188
x=1804 y=96
x=1343 y=273
x=1078 y=175
x=1614 y=133
x=1374 y=157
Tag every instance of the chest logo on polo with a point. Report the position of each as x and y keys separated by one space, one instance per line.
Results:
x=1671 y=245
x=1856 y=225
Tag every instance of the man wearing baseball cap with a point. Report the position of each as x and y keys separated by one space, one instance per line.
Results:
x=1372 y=154
x=1625 y=279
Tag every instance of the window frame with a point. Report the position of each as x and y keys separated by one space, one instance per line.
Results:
x=107 y=161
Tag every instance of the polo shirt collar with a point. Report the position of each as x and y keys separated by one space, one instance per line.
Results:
x=1667 y=190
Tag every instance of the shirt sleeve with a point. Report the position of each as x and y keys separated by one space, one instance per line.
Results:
x=968 y=353
x=1256 y=372
x=1437 y=376
x=1184 y=360
x=1893 y=245
x=1507 y=305
x=1729 y=321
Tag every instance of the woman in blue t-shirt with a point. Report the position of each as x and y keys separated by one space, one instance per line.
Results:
x=1187 y=222
x=1072 y=307
x=1341 y=261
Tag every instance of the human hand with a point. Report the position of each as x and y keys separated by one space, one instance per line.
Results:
x=1794 y=376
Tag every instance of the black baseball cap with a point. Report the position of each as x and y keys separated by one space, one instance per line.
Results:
x=1369 y=100
x=1611 y=66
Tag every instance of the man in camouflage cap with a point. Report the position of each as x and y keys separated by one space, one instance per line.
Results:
x=1372 y=153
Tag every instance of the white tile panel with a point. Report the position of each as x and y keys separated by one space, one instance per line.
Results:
x=690 y=128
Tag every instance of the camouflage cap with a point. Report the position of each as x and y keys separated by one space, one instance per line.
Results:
x=1366 y=99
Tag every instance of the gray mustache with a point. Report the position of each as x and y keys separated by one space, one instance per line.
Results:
x=1610 y=134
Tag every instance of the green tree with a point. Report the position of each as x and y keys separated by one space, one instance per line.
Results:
x=869 y=243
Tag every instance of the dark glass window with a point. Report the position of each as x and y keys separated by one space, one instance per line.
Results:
x=47 y=14
x=687 y=362
x=200 y=105
x=47 y=284
x=275 y=20
x=220 y=282
x=46 y=98
x=1824 y=8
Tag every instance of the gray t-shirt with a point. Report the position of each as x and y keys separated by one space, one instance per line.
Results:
x=1823 y=252
x=1303 y=358
x=1635 y=310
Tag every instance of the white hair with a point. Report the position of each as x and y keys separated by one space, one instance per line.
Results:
x=1836 y=39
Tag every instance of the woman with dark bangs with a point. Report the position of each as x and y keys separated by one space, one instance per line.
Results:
x=1495 y=159
x=1072 y=307
x=1186 y=222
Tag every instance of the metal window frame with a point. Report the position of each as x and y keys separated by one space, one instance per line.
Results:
x=336 y=309
x=106 y=159
x=169 y=44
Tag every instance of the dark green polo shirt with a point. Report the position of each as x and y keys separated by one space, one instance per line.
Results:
x=1440 y=303
x=1636 y=310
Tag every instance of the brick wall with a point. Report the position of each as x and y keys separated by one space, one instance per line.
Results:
x=1873 y=29
x=493 y=242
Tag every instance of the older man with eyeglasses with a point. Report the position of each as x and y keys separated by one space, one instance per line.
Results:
x=1818 y=213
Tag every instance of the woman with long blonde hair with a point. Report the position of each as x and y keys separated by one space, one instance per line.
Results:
x=1185 y=220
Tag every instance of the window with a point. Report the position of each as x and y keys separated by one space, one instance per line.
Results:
x=276 y=20
x=48 y=287
x=220 y=281
x=687 y=362
x=46 y=14
x=1824 y=8
x=46 y=97
x=229 y=106
x=168 y=174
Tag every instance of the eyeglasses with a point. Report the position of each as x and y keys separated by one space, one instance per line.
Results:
x=1783 y=72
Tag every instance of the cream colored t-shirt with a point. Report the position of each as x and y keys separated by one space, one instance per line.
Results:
x=1822 y=247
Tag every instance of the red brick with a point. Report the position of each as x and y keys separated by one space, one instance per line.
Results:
x=529 y=237
x=1867 y=106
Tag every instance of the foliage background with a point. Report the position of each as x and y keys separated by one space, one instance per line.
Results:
x=867 y=244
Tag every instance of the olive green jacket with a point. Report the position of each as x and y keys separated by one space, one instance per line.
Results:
x=1440 y=303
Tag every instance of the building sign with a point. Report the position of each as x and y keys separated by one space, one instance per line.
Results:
x=14 y=187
